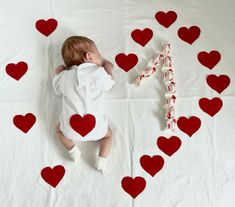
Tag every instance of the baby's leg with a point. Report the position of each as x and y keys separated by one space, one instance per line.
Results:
x=105 y=144
x=67 y=143
x=74 y=152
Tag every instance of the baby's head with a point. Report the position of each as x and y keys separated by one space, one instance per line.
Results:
x=78 y=49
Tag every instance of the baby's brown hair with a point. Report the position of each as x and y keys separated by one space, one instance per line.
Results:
x=74 y=50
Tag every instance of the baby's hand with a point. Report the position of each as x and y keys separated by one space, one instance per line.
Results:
x=59 y=69
x=108 y=66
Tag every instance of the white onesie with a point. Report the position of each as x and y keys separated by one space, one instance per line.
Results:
x=81 y=89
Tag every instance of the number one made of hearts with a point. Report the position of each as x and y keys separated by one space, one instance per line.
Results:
x=133 y=186
x=82 y=125
x=24 y=123
x=189 y=126
x=53 y=176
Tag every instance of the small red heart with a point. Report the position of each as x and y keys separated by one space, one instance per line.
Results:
x=16 y=71
x=126 y=62
x=153 y=164
x=142 y=37
x=189 y=126
x=218 y=83
x=53 y=176
x=212 y=106
x=82 y=125
x=189 y=35
x=169 y=146
x=210 y=59
x=46 y=27
x=133 y=186
x=24 y=123
x=166 y=19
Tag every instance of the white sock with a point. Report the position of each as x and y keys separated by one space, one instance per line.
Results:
x=101 y=165
x=75 y=154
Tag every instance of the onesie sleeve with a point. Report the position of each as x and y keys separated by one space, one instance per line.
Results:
x=106 y=80
x=56 y=83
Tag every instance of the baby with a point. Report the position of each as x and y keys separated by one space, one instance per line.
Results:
x=81 y=83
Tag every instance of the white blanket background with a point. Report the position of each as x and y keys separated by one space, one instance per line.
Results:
x=201 y=173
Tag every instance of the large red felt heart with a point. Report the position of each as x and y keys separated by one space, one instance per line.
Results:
x=24 y=123
x=82 y=125
x=210 y=59
x=212 y=106
x=133 y=186
x=53 y=176
x=46 y=27
x=166 y=19
x=16 y=71
x=142 y=37
x=189 y=126
x=126 y=62
x=153 y=164
x=169 y=146
x=189 y=35
x=218 y=83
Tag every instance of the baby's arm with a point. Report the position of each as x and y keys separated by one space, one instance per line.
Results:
x=59 y=69
x=108 y=66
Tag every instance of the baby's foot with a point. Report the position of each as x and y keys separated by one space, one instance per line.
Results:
x=101 y=165
x=75 y=154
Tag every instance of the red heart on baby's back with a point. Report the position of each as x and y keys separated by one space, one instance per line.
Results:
x=169 y=146
x=142 y=37
x=189 y=126
x=212 y=106
x=46 y=27
x=210 y=59
x=126 y=62
x=133 y=186
x=166 y=19
x=153 y=164
x=82 y=125
x=24 y=123
x=189 y=35
x=218 y=83
x=16 y=71
x=53 y=176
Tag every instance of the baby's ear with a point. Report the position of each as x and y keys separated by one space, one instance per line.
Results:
x=88 y=56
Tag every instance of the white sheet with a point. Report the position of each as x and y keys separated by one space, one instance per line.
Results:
x=201 y=173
